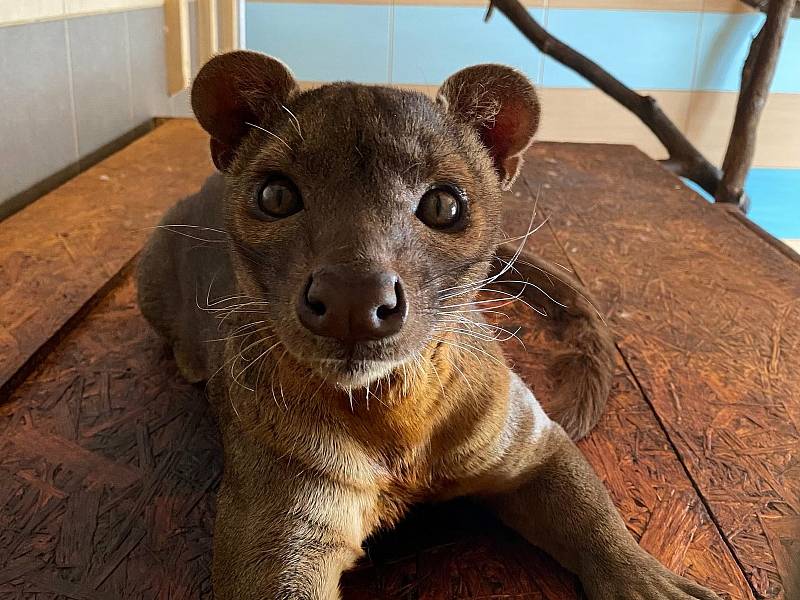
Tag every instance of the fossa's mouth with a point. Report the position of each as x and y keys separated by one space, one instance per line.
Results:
x=355 y=365
x=355 y=373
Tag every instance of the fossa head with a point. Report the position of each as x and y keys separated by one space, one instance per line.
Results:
x=357 y=212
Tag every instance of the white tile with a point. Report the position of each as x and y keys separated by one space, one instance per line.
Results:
x=98 y=50
x=36 y=121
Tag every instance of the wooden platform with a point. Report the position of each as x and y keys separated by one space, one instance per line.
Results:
x=108 y=462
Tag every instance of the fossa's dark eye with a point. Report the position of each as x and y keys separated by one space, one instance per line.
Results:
x=279 y=198
x=442 y=207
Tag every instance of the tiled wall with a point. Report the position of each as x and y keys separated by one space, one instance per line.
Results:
x=70 y=86
x=689 y=59
x=688 y=54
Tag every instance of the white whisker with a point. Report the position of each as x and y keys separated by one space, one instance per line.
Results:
x=295 y=121
x=268 y=132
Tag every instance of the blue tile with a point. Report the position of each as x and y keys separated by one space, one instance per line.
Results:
x=323 y=42
x=36 y=120
x=431 y=43
x=787 y=75
x=775 y=200
x=700 y=191
x=724 y=43
x=643 y=49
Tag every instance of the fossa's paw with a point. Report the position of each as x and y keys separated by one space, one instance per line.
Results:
x=645 y=580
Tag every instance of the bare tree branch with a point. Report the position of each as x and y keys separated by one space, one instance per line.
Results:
x=762 y=5
x=757 y=74
x=684 y=159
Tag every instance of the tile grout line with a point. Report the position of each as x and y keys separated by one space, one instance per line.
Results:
x=542 y=56
x=698 y=38
x=128 y=59
x=390 y=50
x=695 y=71
x=71 y=78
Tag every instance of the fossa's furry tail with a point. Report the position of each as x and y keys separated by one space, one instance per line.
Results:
x=584 y=369
x=583 y=373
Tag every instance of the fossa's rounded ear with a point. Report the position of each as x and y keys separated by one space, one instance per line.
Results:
x=234 y=89
x=500 y=103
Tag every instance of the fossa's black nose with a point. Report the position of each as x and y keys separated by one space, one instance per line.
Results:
x=352 y=307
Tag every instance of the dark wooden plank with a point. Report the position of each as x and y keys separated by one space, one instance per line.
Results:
x=708 y=317
x=57 y=253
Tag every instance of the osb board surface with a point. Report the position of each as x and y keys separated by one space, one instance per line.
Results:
x=109 y=464
x=107 y=460
x=708 y=317
x=59 y=251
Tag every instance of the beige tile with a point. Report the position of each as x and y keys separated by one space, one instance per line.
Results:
x=727 y=6
x=15 y=12
x=589 y=115
x=778 y=143
x=27 y=11
x=679 y=5
x=83 y=7
x=793 y=244
x=710 y=120
x=309 y=85
x=428 y=90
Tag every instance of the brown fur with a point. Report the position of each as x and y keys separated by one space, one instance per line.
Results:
x=326 y=441
x=584 y=369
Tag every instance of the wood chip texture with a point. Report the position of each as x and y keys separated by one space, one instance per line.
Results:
x=109 y=462
x=57 y=253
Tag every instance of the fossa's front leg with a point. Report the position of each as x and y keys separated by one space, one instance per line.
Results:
x=282 y=534
x=549 y=494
